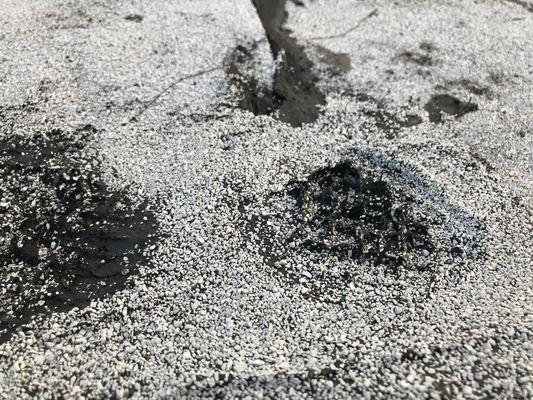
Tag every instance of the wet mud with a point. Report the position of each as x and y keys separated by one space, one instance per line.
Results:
x=67 y=238
x=294 y=96
x=440 y=104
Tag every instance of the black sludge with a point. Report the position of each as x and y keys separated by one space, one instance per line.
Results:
x=346 y=212
x=67 y=237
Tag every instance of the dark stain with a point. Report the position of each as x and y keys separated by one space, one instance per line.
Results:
x=497 y=77
x=338 y=63
x=134 y=17
x=476 y=88
x=445 y=103
x=382 y=118
x=274 y=385
x=427 y=46
x=411 y=120
x=389 y=122
x=67 y=238
x=76 y=19
x=255 y=97
x=473 y=87
x=350 y=212
x=483 y=161
x=294 y=97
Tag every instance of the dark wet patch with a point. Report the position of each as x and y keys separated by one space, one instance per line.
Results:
x=482 y=161
x=475 y=88
x=371 y=220
x=134 y=17
x=67 y=238
x=445 y=103
x=308 y=383
x=294 y=96
x=497 y=77
x=338 y=63
x=471 y=86
x=411 y=120
x=427 y=46
x=348 y=212
x=255 y=97
x=68 y=19
x=382 y=118
x=389 y=122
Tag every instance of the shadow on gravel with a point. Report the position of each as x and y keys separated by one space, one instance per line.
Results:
x=66 y=238
x=294 y=97
x=373 y=213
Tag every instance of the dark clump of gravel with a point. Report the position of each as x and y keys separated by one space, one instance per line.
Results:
x=66 y=238
x=354 y=215
x=372 y=219
x=445 y=103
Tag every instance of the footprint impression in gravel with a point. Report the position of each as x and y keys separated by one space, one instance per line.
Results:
x=66 y=238
x=294 y=97
x=367 y=219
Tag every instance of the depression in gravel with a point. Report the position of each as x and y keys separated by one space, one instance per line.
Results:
x=266 y=199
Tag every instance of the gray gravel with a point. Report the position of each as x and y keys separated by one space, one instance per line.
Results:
x=209 y=314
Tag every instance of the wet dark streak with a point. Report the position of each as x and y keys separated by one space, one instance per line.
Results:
x=294 y=97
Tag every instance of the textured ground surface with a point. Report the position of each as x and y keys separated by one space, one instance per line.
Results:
x=218 y=199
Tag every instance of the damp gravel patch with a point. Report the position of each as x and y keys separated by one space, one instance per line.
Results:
x=66 y=237
x=440 y=104
x=293 y=96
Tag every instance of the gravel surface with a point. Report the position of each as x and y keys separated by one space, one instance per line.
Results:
x=329 y=203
